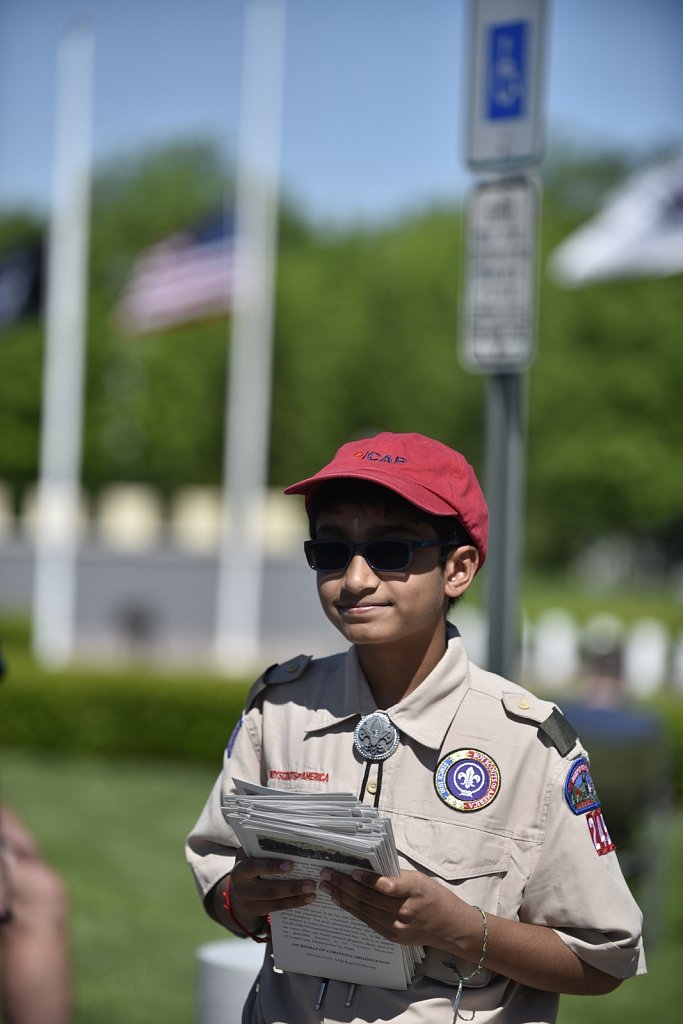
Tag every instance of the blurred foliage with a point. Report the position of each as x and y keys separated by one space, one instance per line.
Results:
x=119 y=714
x=366 y=341
x=366 y=337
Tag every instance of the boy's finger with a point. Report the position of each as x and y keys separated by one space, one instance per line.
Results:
x=255 y=867
x=368 y=879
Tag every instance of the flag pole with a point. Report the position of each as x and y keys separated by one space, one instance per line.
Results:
x=60 y=453
x=247 y=421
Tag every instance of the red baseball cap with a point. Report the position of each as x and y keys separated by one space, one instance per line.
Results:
x=425 y=472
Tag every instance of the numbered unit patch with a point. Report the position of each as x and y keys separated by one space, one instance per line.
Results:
x=602 y=841
x=467 y=780
x=579 y=788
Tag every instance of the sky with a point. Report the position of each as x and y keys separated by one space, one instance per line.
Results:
x=375 y=91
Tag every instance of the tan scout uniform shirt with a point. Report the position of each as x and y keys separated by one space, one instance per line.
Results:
x=525 y=855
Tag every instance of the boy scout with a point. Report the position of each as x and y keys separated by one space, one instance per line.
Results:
x=509 y=877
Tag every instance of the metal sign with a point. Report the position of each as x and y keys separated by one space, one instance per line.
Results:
x=506 y=80
x=498 y=323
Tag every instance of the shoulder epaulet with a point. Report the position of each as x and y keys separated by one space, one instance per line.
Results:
x=549 y=719
x=279 y=673
x=559 y=731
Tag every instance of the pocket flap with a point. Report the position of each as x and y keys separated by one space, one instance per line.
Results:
x=451 y=851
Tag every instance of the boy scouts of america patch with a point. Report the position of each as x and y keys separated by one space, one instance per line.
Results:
x=467 y=780
x=579 y=788
x=235 y=731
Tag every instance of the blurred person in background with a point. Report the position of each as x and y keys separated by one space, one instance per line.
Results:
x=35 y=971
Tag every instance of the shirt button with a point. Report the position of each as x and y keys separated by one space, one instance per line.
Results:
x=523 y=705
x=372 y=786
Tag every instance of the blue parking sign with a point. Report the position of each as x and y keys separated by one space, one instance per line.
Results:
x=505 y=112
x=506 y=87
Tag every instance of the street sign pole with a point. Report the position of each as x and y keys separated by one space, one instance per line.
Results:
x=498 y=338
x=504 y=137
x=505 y=448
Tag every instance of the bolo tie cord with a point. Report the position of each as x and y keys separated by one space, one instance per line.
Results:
x=366 y=775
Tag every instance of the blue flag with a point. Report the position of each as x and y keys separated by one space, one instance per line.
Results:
x=21 y=282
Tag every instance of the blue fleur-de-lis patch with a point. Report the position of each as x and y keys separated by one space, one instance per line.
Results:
x=467 y=780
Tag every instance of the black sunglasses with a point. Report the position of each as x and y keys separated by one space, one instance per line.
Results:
x=381 y=555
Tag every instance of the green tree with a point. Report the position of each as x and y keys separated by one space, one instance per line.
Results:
x=367 y=340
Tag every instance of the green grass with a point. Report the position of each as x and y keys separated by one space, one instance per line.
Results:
x=115 y=830
x=657 y=995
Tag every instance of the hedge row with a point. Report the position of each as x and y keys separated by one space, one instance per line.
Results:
x=119 y=714
x=148 y=715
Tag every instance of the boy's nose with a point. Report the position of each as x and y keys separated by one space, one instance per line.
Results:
x=359 y=574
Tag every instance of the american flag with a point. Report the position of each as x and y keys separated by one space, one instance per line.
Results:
x=188 y=276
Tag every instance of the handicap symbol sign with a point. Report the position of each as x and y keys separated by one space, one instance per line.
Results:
x=506 y=85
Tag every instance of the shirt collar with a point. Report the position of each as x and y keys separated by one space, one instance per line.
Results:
x=425 y=714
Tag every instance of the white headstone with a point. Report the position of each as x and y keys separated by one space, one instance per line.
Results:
x=555 y=652
x=645 y=657
x=129 y=517
x=196 y=519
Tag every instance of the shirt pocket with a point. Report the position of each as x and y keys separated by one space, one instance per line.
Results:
x=473 y=861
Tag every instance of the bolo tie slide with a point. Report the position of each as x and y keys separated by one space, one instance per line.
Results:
x=376 y=739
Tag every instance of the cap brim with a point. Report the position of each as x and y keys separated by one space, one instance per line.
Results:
x=412 y=492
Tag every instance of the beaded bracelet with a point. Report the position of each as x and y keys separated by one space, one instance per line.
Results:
x=227 y=904
x=463 y=978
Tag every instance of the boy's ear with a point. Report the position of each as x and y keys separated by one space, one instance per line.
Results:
x=459 y=570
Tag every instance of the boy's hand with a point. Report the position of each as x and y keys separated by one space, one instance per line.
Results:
x=412 y=909
x=255 y=893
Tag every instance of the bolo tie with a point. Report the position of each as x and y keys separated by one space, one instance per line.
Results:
x=376 y=739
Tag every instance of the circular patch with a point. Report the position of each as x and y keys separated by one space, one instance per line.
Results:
x=376 y=737
x=579 y=788
x=467 y=780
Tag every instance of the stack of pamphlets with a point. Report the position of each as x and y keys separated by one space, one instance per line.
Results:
x=317 y=830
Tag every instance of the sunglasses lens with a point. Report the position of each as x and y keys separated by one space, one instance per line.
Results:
x=334 y=555
x=327 y=556
x=388 y=555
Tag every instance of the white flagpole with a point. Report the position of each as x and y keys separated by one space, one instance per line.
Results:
x=247 y=423
x=60 y=456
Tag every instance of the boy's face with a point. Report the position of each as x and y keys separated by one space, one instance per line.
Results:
x=372 y=607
